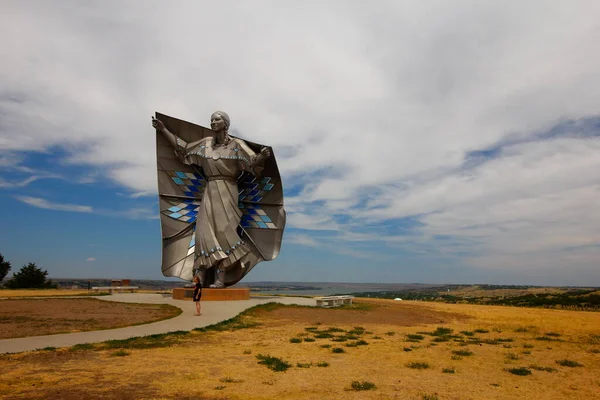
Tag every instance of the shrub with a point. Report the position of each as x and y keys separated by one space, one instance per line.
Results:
x=569 y=363
x=415 y=337
x=512 y=356
x=547 y=369
x=364 y=385
x=552 y=334
x=120 y=353
x=229 y=379
x=273 y=363
x=295 y=340
x=449 y=370
x=455 y=357
x=407 y=349
x=322 y=364
x=481 y=331
x=442 y=331
x=527 y=346
x=522 y=371
x=468 y=333
x=338 y=350
x=462 y=352
x=430 y=397
x=418 y=365
x=362 y=343
x=309 y=339
x=390 y=333
x=303 y=365
x=325 y=346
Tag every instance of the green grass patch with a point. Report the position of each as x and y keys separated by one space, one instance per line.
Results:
x=548 y=339
x=415 y=337
x=442 y=331
x=364 y=385
x=49 y=348
x=323 y=335
x=521 y=371
x=145 y=342
x=335 y=330
x=462 y=353
x=273 y=363
x=569 y=363
x=468 y=333
x=418 y=365
x=82 y=346
x=546 y=369
x=357 y=330
x=120 y=353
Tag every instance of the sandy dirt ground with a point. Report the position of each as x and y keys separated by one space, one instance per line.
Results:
x=472 y=362
x=34 y=317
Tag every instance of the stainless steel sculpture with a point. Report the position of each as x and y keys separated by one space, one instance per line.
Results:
x=221 y=201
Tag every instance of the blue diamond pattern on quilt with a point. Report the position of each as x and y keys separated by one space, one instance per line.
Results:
x=191 y=184
x=186 y=211
x=253 y=216
x=252 y=190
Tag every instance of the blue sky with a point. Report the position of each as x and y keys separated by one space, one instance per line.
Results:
x=453 y=142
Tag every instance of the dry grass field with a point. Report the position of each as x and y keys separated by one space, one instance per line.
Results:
x=377 y=349
x=34 y=317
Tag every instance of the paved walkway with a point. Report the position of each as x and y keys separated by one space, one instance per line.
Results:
x=212 y=312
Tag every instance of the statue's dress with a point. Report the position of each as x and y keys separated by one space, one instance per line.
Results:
x=217 y=238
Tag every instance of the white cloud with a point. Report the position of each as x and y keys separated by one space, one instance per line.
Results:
x=42 y=203
x=90 y=259
x=370 y=110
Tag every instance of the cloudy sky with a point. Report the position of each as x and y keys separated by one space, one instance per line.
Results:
x=437 y=141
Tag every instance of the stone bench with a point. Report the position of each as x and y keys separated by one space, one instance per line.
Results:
x=333 y=301
x=111 y=289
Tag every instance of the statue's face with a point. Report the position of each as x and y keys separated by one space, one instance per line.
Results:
x=217 y=123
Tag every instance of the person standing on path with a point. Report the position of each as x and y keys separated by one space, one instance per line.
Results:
x=197 y=294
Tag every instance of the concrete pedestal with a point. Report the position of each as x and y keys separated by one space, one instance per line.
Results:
x=208 y=294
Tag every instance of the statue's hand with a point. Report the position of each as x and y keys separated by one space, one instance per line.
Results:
x=157 y=124
x=265 y=152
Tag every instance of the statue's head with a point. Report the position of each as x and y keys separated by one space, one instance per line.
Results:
x=219 y=121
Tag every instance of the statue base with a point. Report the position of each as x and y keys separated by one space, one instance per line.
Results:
x=209 y=294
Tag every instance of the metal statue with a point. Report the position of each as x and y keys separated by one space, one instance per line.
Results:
x=221 y=201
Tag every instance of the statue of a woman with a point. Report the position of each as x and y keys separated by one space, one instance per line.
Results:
x=221 y=242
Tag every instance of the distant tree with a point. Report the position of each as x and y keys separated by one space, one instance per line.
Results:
x=4 y=268
x=30 y=277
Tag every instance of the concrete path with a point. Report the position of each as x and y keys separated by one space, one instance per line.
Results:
x=212 y=312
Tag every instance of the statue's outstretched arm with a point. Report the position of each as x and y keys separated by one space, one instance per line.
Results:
x=175 y=141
